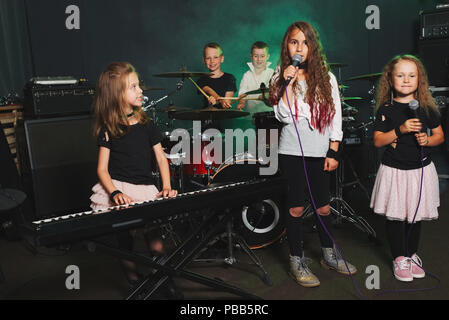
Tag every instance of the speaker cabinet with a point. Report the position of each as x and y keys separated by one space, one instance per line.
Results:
x=435 y=56
x=62 y=156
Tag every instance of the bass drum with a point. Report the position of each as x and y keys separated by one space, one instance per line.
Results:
x=261 y=223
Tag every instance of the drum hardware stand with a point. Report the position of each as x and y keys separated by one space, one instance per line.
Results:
x=338 y=205
x=235 y=239
x=341 y=184
x=181 y=177
x=151 y=104
x=208 y=167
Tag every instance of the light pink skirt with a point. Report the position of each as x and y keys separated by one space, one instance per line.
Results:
x=396 y=193
x=139 y=193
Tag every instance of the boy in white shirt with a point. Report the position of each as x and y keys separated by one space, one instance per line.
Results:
x=259 y=73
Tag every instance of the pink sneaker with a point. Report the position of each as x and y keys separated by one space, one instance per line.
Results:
x=417 y=270
x=402 y=269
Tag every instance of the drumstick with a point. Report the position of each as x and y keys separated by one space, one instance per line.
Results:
x=198 y=87
x=237 y=98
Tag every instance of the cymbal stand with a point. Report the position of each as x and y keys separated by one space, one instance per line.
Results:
x=208 y=167
x=357 y=181
x=339 y=74
x=339 y=206
x=372 y=93
x=153 y=103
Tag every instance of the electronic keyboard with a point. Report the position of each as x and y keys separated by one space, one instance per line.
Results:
x=90 y=224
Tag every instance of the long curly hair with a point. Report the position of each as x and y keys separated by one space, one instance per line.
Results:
x=385 y=89
x=109 y=100
x=319 y=89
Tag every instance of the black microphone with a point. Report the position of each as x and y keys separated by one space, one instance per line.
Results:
x=296 y=61
x=414 y=106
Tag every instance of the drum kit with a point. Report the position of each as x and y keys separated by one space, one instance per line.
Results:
x=201 y=173
x=208 y=173
x=261 y=223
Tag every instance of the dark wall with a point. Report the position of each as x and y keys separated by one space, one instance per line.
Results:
x=15 y=55
x=162 y=36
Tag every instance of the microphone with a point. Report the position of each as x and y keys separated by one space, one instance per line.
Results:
x=145 y=99
x=414 y=106
x=296 y=61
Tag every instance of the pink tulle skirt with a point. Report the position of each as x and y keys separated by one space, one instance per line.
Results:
x=139 y=193
x=396 y=193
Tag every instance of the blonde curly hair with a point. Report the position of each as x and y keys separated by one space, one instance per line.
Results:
x=385 y=91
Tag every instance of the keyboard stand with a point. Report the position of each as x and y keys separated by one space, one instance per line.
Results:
x=172 y=265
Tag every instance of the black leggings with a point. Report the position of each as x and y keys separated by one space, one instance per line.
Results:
x=397 y=232
x=293 y=170
x=295 y=237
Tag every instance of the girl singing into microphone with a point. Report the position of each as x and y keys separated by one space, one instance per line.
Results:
x=399 y=188
x=312 y=102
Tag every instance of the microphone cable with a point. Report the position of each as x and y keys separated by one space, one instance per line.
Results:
x=333 y=240
x=313 y=201
x=408 y=238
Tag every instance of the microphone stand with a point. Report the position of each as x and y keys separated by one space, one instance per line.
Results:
x=153 y=103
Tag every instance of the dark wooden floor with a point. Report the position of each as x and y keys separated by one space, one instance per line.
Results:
x=42 y=274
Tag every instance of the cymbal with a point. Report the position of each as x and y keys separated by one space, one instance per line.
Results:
x=263 y=88
x=350 y=111
x=371 y=76
x=172 y=108
x=210 y=113
x=11 y=198
x=258 y=91
x=337 y=65
x=342 y=86
x=182 y=74
x=351 y=98
x=348 y=119
x=146 y=88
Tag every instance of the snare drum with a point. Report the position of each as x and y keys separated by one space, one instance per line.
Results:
x=260 y=223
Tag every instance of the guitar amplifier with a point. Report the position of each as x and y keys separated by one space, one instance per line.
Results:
x=49 y=100
x=435 y=23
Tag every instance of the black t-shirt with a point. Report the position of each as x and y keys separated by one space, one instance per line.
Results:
x=407 y=153
x=131 y=156
x=220 y=85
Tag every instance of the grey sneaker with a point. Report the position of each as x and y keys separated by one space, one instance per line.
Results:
x=301 y=272
x=332 y=260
